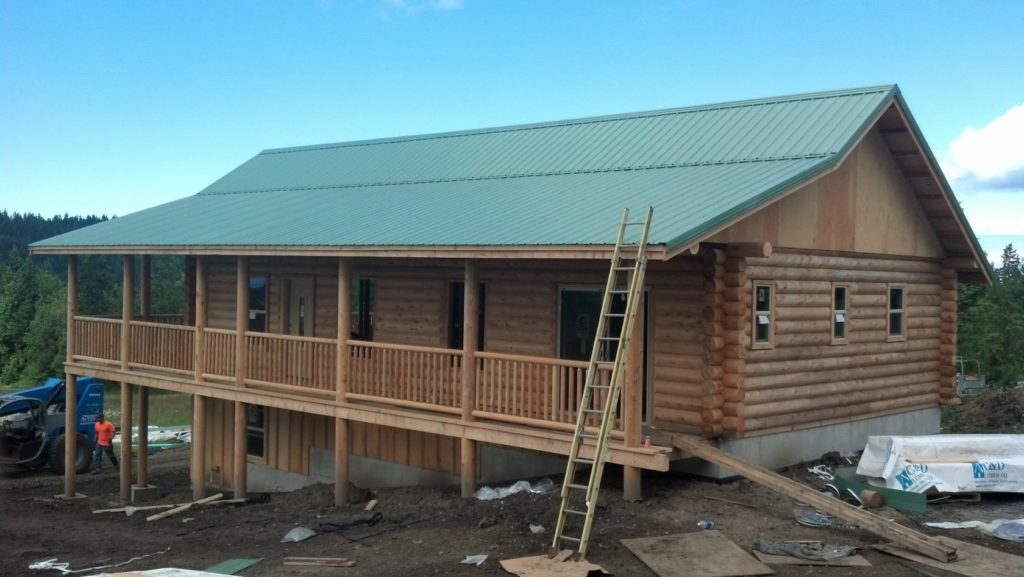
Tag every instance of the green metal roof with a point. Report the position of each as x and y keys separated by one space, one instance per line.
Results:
x=557 y=183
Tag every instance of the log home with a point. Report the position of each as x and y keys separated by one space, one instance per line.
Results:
x=422 y=308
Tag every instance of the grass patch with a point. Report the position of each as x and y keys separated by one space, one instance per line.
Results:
x=166 y=408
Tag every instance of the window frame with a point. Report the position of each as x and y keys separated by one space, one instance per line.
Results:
x=845 y=311
x=259 y=311
x=754 y=342
x=253 y=430
x=889 y=311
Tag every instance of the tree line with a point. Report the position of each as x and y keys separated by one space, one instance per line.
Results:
x=991 y=323
x=33 y=294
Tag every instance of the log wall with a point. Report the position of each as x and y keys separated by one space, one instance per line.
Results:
x=806 y=381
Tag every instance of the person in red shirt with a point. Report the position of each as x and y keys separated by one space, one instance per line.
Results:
x=104 y=434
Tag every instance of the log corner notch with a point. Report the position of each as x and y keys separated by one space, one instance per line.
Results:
x=918 y=542
x=948 y=336
x=736 y=297
x=714 y=328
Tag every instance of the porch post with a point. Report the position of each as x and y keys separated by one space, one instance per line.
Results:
x=127 y=307
x=341 y=452
x=632 y=400
x=241 y=409
x=142 y=466
x=71 y=384
x=470 y=332
x=198 y=401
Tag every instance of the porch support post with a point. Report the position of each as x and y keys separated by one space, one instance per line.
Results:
x=341 y=452
x=198 y=401
x=127 y=307
x=71 y=384
x=632 y=401
x=145 y=300
x=470 y=332
x=241 y=409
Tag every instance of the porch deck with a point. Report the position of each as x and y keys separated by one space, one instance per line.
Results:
x=518 y=401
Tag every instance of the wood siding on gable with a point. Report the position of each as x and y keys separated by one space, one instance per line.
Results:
x=864 y=206
x=805 y=380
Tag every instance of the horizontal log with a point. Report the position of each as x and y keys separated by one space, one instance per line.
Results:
x=849 y=398
x=806 y=313
x=827 y=350
x=733 y=425
x=715 y=285
x=785 y=300
x=837 y=391
x=807 y=287
x=711 y=416
x=712 y=314
x=755 y=272
x=749 y=249
x=666 y=391
x=733 y=409
x=680 y=417
x=734 y=396
x=800 y=327
x=755 y=371
x=711 y=357
x=825 y=414
x=733 y=380
x=733 y=308
x=712 y=430
x=711 y=402
x=793 y=259
x=736 y=265
x=713 y=372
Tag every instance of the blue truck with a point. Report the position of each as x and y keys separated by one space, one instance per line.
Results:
x=32 y=427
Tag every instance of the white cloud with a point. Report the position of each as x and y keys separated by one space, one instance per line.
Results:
x=989 y=158
x=416 y=6
x=994 y=212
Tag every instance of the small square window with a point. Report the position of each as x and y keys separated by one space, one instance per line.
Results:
x=840 y=297
x=763 y=323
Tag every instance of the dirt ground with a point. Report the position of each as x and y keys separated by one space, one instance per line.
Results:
x=424 y=531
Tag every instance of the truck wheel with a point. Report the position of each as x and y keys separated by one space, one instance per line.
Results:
x=82 y=458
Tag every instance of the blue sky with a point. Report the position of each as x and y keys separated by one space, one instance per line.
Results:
x=111 y=107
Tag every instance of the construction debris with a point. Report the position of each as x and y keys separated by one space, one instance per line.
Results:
x=371 y=505
x=233 y=566
x=65 y=567
x=557 y=566
x=319 y=561
x=183 y=508
x=913 y=540
x=477 y=560
x=972 y=561
x=806 y=550
x=706 y=554
x=1006 y=529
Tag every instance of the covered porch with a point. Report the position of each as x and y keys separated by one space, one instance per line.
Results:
x=523 y=401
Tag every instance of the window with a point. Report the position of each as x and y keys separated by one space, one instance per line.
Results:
x=579 y=310
x=365 y=294
x=764 y=324
x=897 y=319
x=258 y=304
x=456 y=309
x=840 y=297
x=256 y=432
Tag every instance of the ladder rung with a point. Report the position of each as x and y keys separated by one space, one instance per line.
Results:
x=625 y=268
x=568 y=538
x=619 y=292
x=582 y=461
x=608 y=338
x=589 y=436
x=634 y=223
x=595 y=411
x=600 y=386
x=615 y=315
x=575 y=512
x=577 y=486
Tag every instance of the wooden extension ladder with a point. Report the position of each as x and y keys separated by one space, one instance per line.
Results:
x=600 y=401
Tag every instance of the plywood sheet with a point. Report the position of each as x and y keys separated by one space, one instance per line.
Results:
x=971 y=560
x=700 y=554
x=542 y=566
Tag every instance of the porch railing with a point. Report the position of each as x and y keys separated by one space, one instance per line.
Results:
x=219 y=345
x=161 y=346
x=97 y=339
x=296 y=361
x=413 y=376
x=536 y=388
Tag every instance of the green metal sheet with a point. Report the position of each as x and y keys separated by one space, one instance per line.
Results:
x=546 y=184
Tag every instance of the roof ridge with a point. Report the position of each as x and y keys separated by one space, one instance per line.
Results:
x=531 y=174
x=588 y=119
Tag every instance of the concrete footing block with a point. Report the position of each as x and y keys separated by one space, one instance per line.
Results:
x=64 y=497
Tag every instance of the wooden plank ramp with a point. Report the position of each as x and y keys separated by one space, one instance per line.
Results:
x=930 y=547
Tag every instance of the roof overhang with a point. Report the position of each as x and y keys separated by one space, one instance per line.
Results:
x=588 y=252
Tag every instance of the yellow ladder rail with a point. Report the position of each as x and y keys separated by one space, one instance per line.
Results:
x=625 y=278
